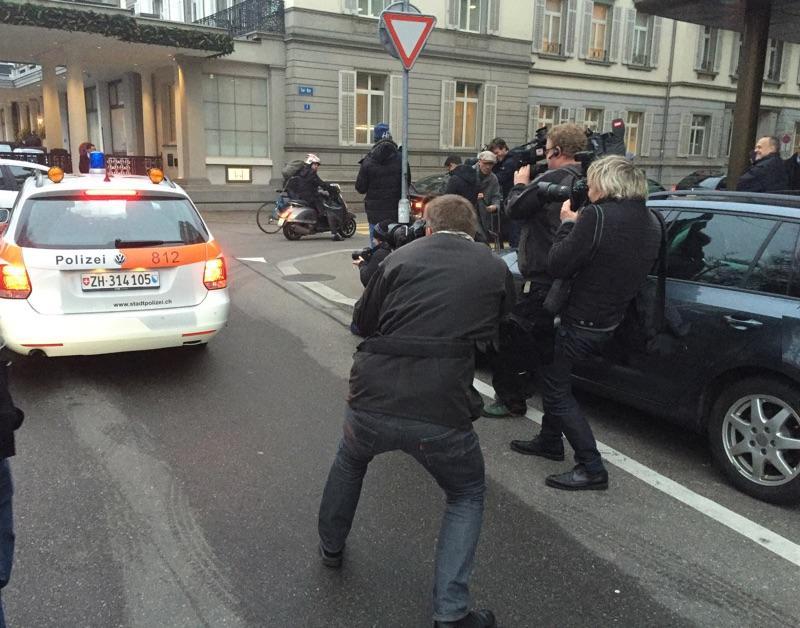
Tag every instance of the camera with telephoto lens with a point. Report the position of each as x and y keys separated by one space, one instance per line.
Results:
x=598 y=145
x=398 y=234
x=364 y=254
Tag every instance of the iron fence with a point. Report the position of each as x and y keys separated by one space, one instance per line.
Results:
x=62 y=159
x=131 y=164
x=247 y=17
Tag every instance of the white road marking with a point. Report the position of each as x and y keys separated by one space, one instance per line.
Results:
x=252 y=259
x=764 y=537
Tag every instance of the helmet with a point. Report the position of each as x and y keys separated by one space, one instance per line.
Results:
x=311 y=158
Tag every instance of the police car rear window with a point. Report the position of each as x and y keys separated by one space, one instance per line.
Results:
x=80 y=223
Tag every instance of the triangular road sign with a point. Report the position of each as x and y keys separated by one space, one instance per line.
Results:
x=409 y=33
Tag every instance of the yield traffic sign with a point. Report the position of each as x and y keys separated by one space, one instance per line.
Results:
x=409 y=33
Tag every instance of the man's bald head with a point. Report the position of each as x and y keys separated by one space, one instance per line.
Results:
x=766 y=146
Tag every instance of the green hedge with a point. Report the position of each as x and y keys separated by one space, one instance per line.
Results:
x=121 y=27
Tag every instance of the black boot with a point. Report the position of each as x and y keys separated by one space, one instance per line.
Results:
x=481 y=618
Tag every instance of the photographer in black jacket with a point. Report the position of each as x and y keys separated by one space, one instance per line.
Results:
x=528 y=343
x=606 y=252
x=423 y=313
x=369 y=259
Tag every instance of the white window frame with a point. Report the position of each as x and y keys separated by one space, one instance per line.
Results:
x=640 y=52
x=461 y=97
x=552 y=32
x=548 y=120
x=485 y=104
x=590 y=122
x=469 y=26
x=774 y=61
x=698 y=135
x=372 y=8
x=369 y=92
x=634 y=125
x=600 y=54
x=486 y=16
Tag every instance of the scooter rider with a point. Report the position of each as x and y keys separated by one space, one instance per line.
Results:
x=305 y=186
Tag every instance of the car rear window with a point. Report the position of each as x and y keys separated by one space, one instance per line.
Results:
x=81 y=223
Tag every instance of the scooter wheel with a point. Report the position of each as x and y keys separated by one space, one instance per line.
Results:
x=349 y=228
x=289 y=232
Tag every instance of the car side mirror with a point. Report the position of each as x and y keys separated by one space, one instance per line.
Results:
x=5 y=216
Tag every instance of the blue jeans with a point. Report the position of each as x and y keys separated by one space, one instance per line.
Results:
x=371 y=234
x=561 y=411
x=6 y=530
x=454 y=459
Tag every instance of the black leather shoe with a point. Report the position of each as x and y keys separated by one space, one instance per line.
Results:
x=536 y=447
x=579 y=480
x=337 y=237
x=481 y=618
x=331 y=559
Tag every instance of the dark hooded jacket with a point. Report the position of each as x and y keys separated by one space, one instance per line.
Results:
x=379 y=178
x=767 y=174
x=464 y=182
x=303 y=186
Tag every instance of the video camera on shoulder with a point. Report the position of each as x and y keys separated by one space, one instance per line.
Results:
x=597 y=145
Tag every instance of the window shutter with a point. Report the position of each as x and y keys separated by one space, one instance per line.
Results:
x=655 y=41
x=735 y=50
x=647 y=134
x=586 y=28
x=698 y=53
x=727 y=121
x=447 y=121
x=785 y=56
x=493 y=18
x=396 y=107
x=683 y=134
x=350 y=6
x=580 y=116
x=533 y=120
x=608 y=116
x=347 y=107
x=452 y=16
x=627 y=49
x=538 y=25
x=616 y=34
x=489 y=112
x=717 y=50
x=714 y=136
x=570 y=25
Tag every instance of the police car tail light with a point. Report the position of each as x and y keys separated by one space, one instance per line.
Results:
x=215 y=275
x=14 y=282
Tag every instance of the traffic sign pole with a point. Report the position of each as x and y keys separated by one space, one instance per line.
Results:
x=408 y=33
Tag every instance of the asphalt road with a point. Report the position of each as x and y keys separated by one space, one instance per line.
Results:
x=180 y=488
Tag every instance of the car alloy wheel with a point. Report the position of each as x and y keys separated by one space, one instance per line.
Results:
x=761 y=437
x=754 y=432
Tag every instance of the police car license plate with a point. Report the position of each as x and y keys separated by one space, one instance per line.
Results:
x=127 y=280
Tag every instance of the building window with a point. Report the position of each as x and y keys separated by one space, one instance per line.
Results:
x=598 y=37
x=469 y=15
x=235 y=110
x=633 y=131
x=641 y=30
x=370 y=102
x=548 y=116
x=92 y=117
x=551 y=35
x=371 y=8
x=774 y=59
x=465 y=128
x=697 y=135
x=594 y=119
x=114 y=99
x=708 y=49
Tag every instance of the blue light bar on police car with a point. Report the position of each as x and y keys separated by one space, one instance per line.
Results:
x=97 y=162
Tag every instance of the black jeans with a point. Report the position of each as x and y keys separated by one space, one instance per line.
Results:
x=562 y=415
x=523 y=351
x=454 y=459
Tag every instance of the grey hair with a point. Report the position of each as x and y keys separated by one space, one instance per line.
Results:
x=774 y=142
x=615 y=177
x=451 y=212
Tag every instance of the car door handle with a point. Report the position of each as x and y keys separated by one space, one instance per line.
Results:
x=742 y=323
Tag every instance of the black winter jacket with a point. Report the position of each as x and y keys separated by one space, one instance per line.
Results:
x=626 y=252
x=464 y=182
x=424 y=311
x=504 y=171
x=379 y=178
x=10 y=416
x=370 y=267
x=541 y=221
x=767 y=174
x=792 y=172
x=304 y=185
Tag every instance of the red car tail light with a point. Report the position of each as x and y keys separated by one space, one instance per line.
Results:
x=14 y=282
x=215 y=275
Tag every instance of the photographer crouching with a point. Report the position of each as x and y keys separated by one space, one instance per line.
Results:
x=367 y=260
x=527 y=342
x=603 y=254
x=423 y=313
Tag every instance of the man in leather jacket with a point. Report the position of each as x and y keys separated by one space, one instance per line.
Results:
x=305 y=186
x=606 y=252
x=423 y=312
x=527 y=339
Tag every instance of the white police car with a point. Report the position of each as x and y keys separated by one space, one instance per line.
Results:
x=93 y=264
